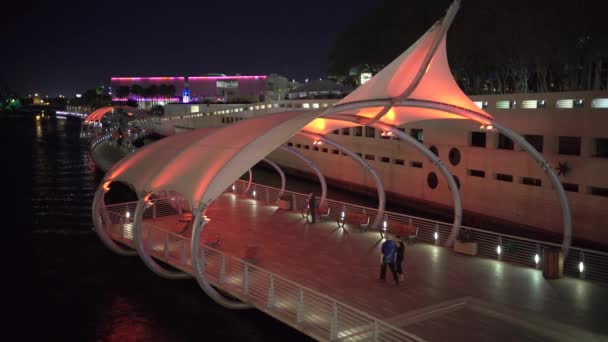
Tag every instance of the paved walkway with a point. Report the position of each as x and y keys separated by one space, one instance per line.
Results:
x=445 y=296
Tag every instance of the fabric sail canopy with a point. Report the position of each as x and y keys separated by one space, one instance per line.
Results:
x=202 y=164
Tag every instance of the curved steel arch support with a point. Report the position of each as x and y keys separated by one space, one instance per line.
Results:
x=315 y=168
x=365 y=165
x=141 y=249
x=198 y=266
x=98 y=204
x=250 y=180
x=557 y=185
x=281 y=173
x=442 y=168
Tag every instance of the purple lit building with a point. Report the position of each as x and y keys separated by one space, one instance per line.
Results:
x=186 y=89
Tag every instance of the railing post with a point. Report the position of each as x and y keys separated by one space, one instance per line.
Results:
x=166 y=246
x=499 y=248
x=295 y=203
x=271 y=291
x=436 y=232
x=246 y=280
x=300 y=309
x=223 y=269
x=375 y=333
x=154 y=210
x=333 y=328
x=184 y=245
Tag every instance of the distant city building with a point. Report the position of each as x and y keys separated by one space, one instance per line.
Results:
x=150 y=91
x=322 y=89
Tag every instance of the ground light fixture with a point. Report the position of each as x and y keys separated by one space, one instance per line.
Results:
x=536 y=258
x=436 y=236
x=581 y=266
x=498 y=250
x=384 y=225
x=128 y=214
x=254 y=193
x=233 y=188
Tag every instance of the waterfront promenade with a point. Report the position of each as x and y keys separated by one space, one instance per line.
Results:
x=445 y=296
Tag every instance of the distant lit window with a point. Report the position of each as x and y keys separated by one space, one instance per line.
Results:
x=365 y=76
x=418 y=134
x=564 y=103
x=529 y=104
x=505 y=104
x=579 y=103
x=227 y=84
x=599 y=103
x=569 y=146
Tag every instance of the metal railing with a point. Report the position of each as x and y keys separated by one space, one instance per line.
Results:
x=309 y=311
x=516 y=249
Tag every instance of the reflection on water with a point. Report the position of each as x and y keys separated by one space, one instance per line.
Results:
x=83 y=292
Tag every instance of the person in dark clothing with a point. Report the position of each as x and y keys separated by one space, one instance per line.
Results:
x=399 y=257
x=312 y=207
x=389 y=251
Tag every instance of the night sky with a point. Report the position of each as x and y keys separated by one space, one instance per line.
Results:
x=64 y=48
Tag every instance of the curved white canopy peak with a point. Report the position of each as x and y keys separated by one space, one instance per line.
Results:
x=421 y=74
x=208 y=164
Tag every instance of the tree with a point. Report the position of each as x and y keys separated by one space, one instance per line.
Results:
x=123 y=91
x=137 y=90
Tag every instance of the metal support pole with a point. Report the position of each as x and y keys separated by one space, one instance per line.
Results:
x=184 y=252
x=166 y=246
x=246 y=280
x=366 y=167
x=198 y=267
x=223 y=269
x=333 y=328
x=270 y=291
x=315 y=168
x=300 y=309
x=376 y=333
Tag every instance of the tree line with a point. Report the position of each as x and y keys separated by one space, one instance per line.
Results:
x=512 y=46
x=163 y=90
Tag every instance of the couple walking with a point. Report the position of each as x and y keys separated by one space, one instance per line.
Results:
x=392 y=256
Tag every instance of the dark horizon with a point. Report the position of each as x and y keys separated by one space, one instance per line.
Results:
x=65 y=48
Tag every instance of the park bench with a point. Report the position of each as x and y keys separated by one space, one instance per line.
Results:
x=324 y=214
x=360 y=220
x=408 y=232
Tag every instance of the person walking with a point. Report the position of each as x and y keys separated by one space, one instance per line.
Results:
x=399 y=257
x=389 y=251
x=312 y=207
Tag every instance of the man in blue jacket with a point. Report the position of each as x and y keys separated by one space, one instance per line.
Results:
x=389 y=251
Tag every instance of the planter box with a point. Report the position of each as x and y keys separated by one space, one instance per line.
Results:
x=469 y=248
x=284 y=204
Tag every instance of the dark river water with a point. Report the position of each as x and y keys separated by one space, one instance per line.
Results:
x=77 y=290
